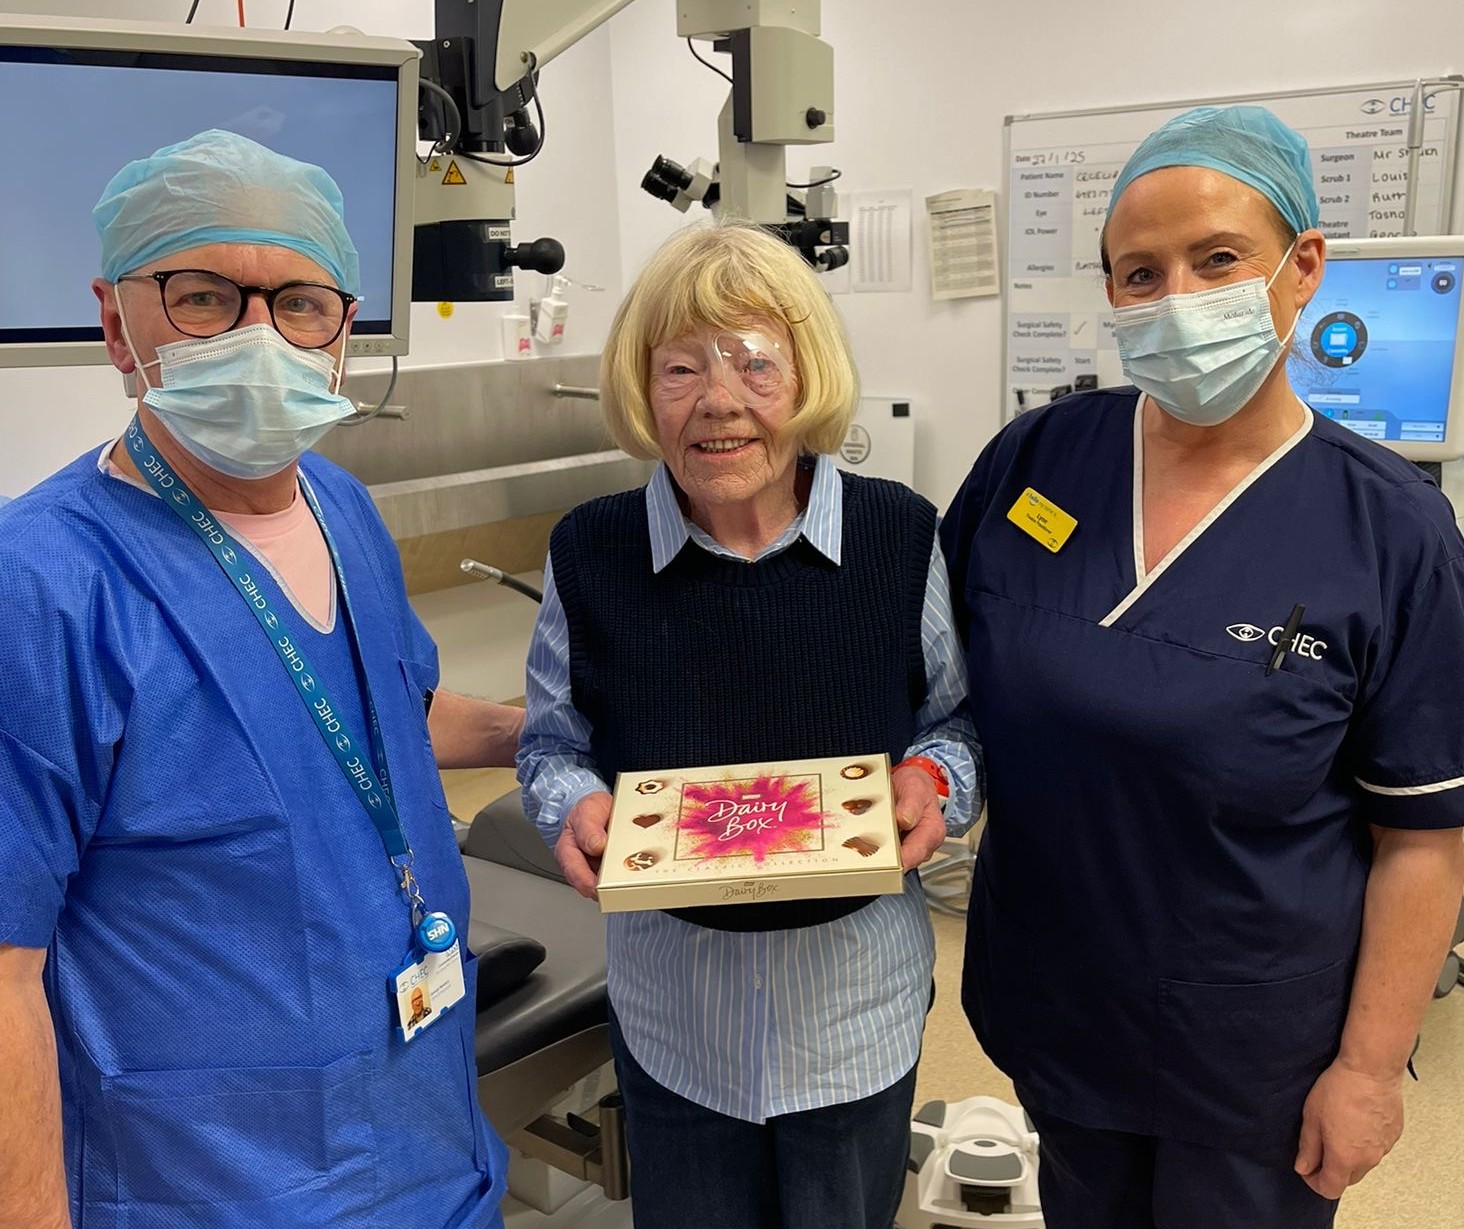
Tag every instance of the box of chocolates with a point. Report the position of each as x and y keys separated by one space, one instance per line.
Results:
x=750 y=833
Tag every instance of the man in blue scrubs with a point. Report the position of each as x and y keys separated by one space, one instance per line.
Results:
x=220 y=816
x=1216 y=645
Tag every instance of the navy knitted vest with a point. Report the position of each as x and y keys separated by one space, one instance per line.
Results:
x=720 y=661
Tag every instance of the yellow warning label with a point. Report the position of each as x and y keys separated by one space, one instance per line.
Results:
x=444 y=310
x=454 y=177
x=435 y=165
x=508 y=179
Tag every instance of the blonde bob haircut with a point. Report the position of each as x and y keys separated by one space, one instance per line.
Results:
x=730 y=275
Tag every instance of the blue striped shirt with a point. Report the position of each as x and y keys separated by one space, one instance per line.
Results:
x=764 y=1023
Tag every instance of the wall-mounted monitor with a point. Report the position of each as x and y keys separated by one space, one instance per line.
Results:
x=1378 y=350
x=80 y=99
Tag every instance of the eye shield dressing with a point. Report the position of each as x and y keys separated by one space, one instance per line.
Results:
x=752 y=367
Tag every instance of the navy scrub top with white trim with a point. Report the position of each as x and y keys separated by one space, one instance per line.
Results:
x=1169 y=893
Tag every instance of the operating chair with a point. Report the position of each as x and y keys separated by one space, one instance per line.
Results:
x=542 y=1006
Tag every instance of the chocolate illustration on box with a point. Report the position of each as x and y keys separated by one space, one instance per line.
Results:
x=798 y=830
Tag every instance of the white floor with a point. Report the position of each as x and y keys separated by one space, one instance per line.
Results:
x=590 y=1210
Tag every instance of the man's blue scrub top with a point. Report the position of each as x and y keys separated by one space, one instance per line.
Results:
x=1169 y=894
x=220 y=912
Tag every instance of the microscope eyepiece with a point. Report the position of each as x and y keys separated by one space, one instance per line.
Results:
x=672 y=172
x=666 y=179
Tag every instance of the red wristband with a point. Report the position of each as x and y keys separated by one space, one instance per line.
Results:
x=933 y=770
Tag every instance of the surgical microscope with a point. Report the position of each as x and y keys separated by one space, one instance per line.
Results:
x=481 y=110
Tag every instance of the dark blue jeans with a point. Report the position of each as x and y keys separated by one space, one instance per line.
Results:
x=1094 y=1179
x=841 y=1167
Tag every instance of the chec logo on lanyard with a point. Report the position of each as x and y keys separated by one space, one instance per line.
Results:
x=430 y=977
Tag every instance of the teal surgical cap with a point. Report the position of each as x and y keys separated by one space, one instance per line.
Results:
x=219 y=187
x=1247 y=143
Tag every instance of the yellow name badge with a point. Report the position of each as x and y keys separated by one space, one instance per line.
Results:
x=1040 y=518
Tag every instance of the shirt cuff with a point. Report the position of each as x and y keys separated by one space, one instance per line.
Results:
x=569 y=787
x=1427 y=806
x=962 y=765
x=23 y=924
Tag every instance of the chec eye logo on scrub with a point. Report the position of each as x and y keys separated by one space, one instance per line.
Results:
x=1303 y=644
x=1246 y=632
x=1373 y=105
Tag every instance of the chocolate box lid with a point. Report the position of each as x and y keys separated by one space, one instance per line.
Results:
x=799 y=829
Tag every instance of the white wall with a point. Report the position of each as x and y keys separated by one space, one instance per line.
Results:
x=922 y=88
x=50 y=415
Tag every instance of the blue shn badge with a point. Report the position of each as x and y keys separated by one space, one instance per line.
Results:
x=436 y=932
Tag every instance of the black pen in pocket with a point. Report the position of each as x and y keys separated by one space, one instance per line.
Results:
x=1288 y=634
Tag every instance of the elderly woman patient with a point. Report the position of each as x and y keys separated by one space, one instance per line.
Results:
x=750 y=604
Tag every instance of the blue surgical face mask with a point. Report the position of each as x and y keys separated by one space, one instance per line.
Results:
x=246 y=403
x=1202 y=356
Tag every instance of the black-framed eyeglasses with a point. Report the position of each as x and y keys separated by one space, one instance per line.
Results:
x=199 y=303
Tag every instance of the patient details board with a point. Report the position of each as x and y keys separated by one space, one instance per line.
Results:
x=1061 y=170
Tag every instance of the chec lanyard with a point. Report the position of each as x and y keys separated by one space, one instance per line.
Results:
x=366 y=773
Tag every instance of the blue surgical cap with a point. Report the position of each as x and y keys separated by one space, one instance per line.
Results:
x=1245 y=142
x=219 y=187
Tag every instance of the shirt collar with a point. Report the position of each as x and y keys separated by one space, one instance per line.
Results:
x=822 y=522
x=107 y=466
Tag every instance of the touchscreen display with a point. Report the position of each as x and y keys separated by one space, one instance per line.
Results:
x=1375 y=348
x=90 y=112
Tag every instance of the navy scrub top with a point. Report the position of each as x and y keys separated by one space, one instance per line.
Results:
x=1169 y=893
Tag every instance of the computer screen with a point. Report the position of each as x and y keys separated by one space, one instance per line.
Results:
x=1378 y=349
x=80 y=103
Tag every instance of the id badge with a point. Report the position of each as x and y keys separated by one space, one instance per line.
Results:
x=1038 y=517
x=424 y=988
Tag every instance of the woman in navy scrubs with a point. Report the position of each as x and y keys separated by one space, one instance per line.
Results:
x=1216 y=649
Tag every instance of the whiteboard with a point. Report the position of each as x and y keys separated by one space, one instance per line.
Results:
x=1060 y=170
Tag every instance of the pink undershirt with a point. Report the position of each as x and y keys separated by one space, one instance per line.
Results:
x=291 y=545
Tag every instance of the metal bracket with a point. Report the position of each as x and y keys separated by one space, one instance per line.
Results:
x=583 y=1150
